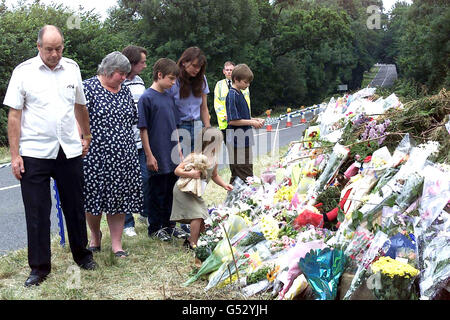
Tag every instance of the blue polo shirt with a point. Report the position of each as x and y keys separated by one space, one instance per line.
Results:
x=158 y=114
x=237 y=109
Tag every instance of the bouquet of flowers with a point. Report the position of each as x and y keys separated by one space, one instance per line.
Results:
x=222 y=251
x=239 y=187
x=285 y=193
x=435 y=195
x=392 y=279
x=269 y=227
x=378 y=247
x=337 y=157
x=268 y=176
x=206 y=244
x=323 y=269
x=360 y=242
x=410 y=191
x=434 y=255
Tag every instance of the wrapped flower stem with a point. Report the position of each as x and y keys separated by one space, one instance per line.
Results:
x=434 y=256
x=338 y=157
x=357 y=247
x=378 y=247
x=236 y=228
x=323 y=269
x=411 y=190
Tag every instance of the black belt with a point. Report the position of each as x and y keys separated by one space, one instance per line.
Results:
x=189 y=121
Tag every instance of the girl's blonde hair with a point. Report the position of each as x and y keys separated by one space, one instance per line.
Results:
x=210 y=140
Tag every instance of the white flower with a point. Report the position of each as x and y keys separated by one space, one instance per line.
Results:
x=209 y=233
x=202 y=243
x=244 y=207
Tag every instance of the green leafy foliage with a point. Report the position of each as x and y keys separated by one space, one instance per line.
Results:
x=258 y=275
x=299 y=51
x=417 y=42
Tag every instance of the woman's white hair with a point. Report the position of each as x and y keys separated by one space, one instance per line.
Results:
x=114 y=61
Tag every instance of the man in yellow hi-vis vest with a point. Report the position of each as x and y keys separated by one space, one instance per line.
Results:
x=220 y=95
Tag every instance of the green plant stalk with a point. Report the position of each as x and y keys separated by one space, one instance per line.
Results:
x=232 y=254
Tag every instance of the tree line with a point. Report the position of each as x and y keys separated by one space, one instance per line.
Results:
x=299 y=51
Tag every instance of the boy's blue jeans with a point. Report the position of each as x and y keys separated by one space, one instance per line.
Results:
x=129 y=220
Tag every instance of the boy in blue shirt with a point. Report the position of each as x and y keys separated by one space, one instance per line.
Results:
x=157 y=122
x=239 y=132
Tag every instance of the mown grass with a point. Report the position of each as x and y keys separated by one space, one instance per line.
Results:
x=153 y=270
x=368 y=76
x=4 y=155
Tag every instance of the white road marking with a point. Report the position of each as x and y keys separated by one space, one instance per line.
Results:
x=10 y=187
x=293 y=126
x=387 y=75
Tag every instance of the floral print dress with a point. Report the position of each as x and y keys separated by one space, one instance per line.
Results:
x=112 y=177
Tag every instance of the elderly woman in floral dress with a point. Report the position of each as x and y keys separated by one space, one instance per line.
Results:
x=111 y=168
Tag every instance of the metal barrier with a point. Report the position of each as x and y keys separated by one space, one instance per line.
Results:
x=298 y=113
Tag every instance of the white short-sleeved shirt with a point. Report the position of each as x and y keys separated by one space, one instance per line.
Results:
x=47 y=99
x=137 y=88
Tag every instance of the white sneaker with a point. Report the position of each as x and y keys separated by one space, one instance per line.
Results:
x=130 y=232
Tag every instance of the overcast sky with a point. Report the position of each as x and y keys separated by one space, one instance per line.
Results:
x=101 y=6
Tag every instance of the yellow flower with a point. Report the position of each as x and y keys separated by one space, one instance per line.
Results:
x=272 y=274
x=392 y=267
x=269 y=227
x=227 y=281
x=285 y=193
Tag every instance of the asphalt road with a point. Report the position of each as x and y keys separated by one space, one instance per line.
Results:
x=385 y=77
x=13 y=234
x=12 y=216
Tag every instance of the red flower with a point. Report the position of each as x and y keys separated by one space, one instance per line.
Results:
x=308 y=217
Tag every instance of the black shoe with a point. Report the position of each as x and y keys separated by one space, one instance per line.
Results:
x=187 y=245
x=186 y=228
x=34 y=280
x=161 y=234
x=178 y=233
x=90 y=265
x=96 y=249
x=121 y=254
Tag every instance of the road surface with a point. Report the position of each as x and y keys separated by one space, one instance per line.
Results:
x=385 y=77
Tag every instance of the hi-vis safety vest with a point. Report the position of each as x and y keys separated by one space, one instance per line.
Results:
x=220 y=95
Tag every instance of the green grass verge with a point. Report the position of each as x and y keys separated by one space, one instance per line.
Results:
x=368 y=76
x=4 y=155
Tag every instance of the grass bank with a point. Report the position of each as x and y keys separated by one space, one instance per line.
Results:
x=368 y=76
x=4 y=155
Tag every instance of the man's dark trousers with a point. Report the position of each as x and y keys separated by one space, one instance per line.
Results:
x=36 y=195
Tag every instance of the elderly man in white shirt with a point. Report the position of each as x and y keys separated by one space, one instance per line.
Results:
x=46 y=100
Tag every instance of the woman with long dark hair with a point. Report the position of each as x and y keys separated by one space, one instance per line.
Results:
x=190 y=94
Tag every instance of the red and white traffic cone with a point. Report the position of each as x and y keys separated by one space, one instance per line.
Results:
x=302 y=120
x=269 y=125
x=288 y=119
